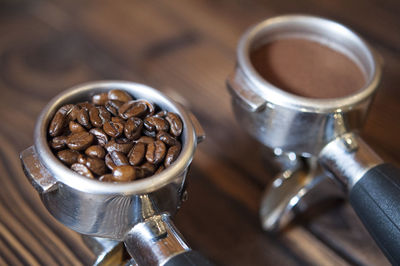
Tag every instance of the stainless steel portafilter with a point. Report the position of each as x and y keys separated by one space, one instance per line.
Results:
x=306 y=133
x=137 y=213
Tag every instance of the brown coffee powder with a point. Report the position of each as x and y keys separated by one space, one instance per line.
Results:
x=307 y=68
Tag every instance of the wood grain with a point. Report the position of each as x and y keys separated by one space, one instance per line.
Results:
x=186 y=48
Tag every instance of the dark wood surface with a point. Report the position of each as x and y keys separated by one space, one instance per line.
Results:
x=187 y=47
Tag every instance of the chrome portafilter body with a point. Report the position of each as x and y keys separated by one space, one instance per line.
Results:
x=136 y=212
x=307 y=133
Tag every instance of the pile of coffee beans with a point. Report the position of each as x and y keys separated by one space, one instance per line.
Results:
x=115 y=138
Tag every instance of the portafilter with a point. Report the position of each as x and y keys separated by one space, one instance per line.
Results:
x=138 y=212
x=305 y=133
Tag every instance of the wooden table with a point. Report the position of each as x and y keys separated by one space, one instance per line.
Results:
x=188 y=47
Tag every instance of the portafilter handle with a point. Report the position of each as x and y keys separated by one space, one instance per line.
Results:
x=156 y=241
x=373 y=186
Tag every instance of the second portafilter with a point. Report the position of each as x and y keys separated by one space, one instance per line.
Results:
x=138 y=212
x=320 y=131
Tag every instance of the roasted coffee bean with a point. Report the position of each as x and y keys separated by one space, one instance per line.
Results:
x=133 y=127
x=96 y=151
x=106 y=178
x=117 y=119
x=172 y=154
x=104 y=114
x=115 y=134
x=119 y=158
x=109 y=162
x=85 y=105
x=113 y=106
x=58 y=122
x=113 y=129
x=119 y=95
x=100 y=99
x=118 y=145
x=82 y=159
x=156 y=152
x=154 y=123
x=150 y=107
x=162 y=114
x=58 y=142
x=68 y=157
x=146 y=140
x=75 y=127
x=96 y=165
x=124 y=173
x=133 y=108
x=73 y=114
x=83 y=118
x=137 y=153
x=166 y=138
x=100 y=135
x=80 y=140
x=159 y=169
x=148 y=168
x=175 y=124
x=94 y=115
x=82 y=170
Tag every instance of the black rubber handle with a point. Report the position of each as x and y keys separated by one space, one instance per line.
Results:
x=376 y=200
x=189 y=258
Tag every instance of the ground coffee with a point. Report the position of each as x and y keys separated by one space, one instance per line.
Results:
x=307 y=68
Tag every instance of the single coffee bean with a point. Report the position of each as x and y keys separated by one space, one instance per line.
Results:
x=132 y=108
x=104 y=114
x=109 y=162
x=124 y=173
x=80 y=140
x=148 y=168
x=106 y=178
x=100 y=99
x=96 y=151
x=156 y=152
x=73 y=114
x=119 y=95
x=162 y=114
x=167 y=138
x=118 y=145
x=68 y=157
x=137 y=153
x=83 y=118
x=113 y=106
x=58 y=142
x=94 y=115
x=154 y=123
x=175 y=124
x=100 y=135
x=58 y=122
x=133 y=127
x=96 y=165
x=172 y=154
x=82 y=159
x=119 y=158
x=150 y=107
x=146 y=140
x=82 y=170
x=85 y=105
x=113 y=129
x=75 y=127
